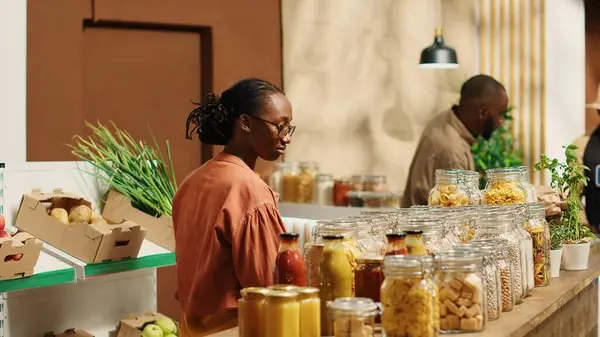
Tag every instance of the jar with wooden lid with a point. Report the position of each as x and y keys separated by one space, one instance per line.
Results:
x=310 y=311
x=341 y=188
x=353 y=317
x=461 y=296
x=282 y=314
x=376 y=183
x=448 y=191
x=306 y=182
x=323 y=191
x=251 y=312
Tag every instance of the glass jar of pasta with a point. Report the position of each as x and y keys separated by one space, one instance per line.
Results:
x=461 y=292
x=537 y=226
x=353 y=317
x=283 y=311
x=306 y=182
x=448 y=191
x=425 y=228
x=336 y=277
x=251 y=312
x=503 y=187
x=497 y=225
x=530 y=195
x=375 y=183
x=409 y=297
x=290 y=182
x=310 y=311
x=470 y=180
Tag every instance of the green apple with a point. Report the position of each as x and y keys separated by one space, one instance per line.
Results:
x=167 y=325
x=152 y=330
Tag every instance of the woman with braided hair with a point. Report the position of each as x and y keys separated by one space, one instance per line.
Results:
x=225 y=217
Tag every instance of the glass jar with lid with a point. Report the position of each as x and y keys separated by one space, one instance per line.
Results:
x=470 y=180
x=530 y=195
x=500 y=225
x=306 y=182
x=323 y=191
x=353 y=317
x=313 y=250
x=455 y=222
x=461 y=288
x=409 y=297
x=276 y=178
x=283 y=311
x=389 y=216
x=251 y=312
x=336 y=276
x=290 y=183
x=537 y=226
x=376 y=183
x=310 y=311
x=503 y=187
x=448 y=190
x=369 y=277
x=289 y=263
x=374 y=199
x=491 y=275
x=431 y=229
x=358 y=182
x=341 y=187
x=357 y=198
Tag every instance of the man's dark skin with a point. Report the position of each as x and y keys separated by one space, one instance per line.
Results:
x=483 y=103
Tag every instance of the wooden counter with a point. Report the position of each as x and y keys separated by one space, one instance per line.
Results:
x=567 y=307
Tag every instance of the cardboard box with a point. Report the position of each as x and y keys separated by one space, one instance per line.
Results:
x=160 y=230
x=132 y=327
x=70 y=333
x=18 y=255
x=90 y=243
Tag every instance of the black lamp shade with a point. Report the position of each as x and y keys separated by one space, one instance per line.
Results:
x=438 y=55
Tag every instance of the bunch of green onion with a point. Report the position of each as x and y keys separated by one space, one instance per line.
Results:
x=133 y=168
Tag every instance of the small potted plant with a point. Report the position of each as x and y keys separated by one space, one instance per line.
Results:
x=556 y=251
x=568 y=179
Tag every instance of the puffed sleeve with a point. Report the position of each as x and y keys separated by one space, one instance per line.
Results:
x=255 y=242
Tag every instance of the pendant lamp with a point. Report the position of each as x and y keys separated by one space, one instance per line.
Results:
x=438 y=55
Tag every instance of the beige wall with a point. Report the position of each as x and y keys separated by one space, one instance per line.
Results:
x=351 y=72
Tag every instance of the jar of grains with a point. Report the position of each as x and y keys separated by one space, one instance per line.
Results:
x=538 y=228
x=498 y=225
x=353 y=317
x=291 y=182
x=461 y=294
x=323 y=192
x=448 y=191
x=341 y=187
x=491 y=275
x=306 y=182
x=409 y=297
x=503 y=187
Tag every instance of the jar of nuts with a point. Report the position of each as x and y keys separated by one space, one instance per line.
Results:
x=409 y=297
x=503 y=187
x=448 y=191
x=353 y=317
x=461 y=293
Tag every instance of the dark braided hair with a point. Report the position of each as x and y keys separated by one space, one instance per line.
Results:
x=214 y=117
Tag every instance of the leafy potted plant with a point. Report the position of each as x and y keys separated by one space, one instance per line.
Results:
x=556 y=242
x=568 y=179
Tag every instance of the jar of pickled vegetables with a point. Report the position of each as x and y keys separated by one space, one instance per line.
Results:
x=353 y=317
x=283 y=313
x=310 y=311
x=470 y=180
x=497 y=225
x=537 y=226
x=448 y=191
x=336 y=277
x=306 y=182
x=251 y=312
x=461 y=292
x=289 y=263
x=409 y=297
x=290 y=182
x=396 y=244
x=530 y=195
x=369 y=277
x=341 y=187
x=375 y=183
x=358 y=182
x=503 y=187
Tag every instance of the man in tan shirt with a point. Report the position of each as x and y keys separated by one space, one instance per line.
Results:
x=446 y=142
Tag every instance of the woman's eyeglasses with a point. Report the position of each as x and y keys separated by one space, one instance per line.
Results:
x=283 y=130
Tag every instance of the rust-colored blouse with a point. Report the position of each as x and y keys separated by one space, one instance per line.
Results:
x=226 y=233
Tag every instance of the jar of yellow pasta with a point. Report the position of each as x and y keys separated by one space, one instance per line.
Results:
x=461 y=295
x=448 y=190
x=306 y=182
x=282 y=311
x=503 y=187
x=409 y=297
x=353 y=317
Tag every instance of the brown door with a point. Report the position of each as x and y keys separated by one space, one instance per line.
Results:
x=139 y=63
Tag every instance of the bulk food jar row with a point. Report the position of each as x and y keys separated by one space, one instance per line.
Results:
x=303 y=183
x=419 y=271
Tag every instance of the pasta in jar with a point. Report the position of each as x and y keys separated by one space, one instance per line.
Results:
x=447 y=191
x=503 y=187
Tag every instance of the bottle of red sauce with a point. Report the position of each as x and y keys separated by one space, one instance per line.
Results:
x=396 y=244
x=289 y=264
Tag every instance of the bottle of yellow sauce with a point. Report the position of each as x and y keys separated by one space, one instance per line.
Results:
x=282 y=314
x=310 y=311
x=251 y=312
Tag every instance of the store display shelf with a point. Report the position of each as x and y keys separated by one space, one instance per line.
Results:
x=150 y=256
x=48 y=271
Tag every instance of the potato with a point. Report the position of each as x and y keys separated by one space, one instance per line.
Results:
x=98 y=220
x=80 y=213
x=61 y=215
